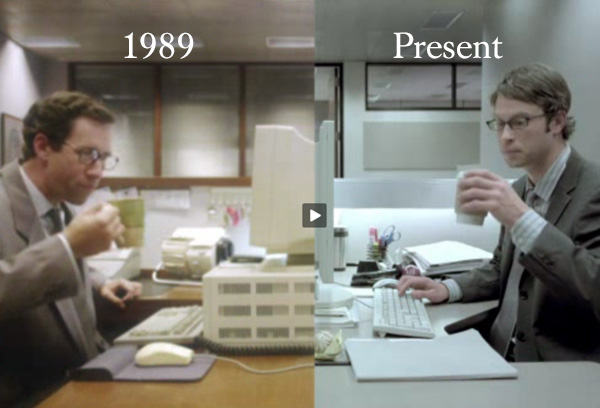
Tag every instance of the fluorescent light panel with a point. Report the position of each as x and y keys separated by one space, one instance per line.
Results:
x=197 y=41
x=373 y=97
x=441 y=20
x=50 y=42
x=291 y=42
x=412 y=52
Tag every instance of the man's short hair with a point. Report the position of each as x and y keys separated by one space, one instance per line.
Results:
x=54 y=117
x=541 y=85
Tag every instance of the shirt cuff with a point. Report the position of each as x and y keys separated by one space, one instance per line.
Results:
x=526 y=230
x=453 y=289
x=63 y=239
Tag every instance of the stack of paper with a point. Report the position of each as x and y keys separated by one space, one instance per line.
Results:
x=461 y=356
x=173 y=252
x=336 y=317
x=446 y=257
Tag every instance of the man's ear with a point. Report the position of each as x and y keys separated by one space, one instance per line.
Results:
x=41 y=146
x=558 y=123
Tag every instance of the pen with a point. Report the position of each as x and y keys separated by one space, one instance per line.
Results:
x=372 y=235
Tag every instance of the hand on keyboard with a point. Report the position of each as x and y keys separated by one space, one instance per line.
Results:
x=423 y=287
x=400 y=315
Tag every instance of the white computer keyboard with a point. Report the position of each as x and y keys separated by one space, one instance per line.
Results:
x=181 y=325
x=400 y=315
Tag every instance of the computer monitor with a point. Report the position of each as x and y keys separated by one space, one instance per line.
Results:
x=327 y=294
x=283 y=178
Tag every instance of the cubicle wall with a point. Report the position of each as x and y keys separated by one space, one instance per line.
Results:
x=422 y=210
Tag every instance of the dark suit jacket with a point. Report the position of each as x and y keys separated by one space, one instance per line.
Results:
x=46 y=304
x=559 y=292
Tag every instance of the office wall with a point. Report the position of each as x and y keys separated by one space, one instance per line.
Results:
x=25 y=77
x=355 y=117
x=563 y=34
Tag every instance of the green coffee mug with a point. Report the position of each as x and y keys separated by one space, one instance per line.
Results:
x=132 y=212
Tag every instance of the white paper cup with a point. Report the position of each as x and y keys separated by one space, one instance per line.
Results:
x=470 y=219
x=462 y=217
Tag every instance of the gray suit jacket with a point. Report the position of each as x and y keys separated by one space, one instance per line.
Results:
x=559 y=292
x=47 y=318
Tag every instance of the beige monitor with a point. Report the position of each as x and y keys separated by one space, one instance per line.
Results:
x=283 y=178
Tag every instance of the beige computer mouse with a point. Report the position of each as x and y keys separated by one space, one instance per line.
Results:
x=163 y=354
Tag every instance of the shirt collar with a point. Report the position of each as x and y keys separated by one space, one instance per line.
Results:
x=40 y=202
x=545 y=187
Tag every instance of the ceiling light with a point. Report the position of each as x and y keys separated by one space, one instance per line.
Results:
x=382 y=85
x=50 y=42
x=441 y=20
x=186 y=42
x=373 y=97
x=291 y=42
x=147 y=42
x=412 y=51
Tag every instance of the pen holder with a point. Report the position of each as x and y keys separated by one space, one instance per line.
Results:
x=376 y=252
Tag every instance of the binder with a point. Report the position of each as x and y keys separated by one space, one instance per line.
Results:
x=446 y=257
x=461 y=356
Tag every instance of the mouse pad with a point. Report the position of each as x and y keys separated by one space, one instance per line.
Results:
x=118 y=364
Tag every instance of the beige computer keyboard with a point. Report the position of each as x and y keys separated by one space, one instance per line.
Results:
x=181 y=325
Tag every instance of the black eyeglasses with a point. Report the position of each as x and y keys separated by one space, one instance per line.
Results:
x=90 y=155
x=517 y=123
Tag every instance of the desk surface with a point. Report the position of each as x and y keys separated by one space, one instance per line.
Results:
x=548 y=385
x=444 y=318
x=571 y=384
x=225 y=385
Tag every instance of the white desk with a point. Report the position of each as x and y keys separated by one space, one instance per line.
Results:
x=547 y=385
x=560 y=385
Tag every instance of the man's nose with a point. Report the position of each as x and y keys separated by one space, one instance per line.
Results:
x=506 y=133
x=96 y=169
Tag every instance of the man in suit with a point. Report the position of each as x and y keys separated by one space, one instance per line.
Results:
x=47 y=317
x=546 y=267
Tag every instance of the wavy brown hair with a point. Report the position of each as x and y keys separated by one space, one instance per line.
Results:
x=54 y=117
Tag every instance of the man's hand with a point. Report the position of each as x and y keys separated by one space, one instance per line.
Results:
x=127 y=289
x=93 y=230
x=423 y=288
x=481 y=191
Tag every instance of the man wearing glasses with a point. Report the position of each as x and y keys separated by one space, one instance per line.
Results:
x=546 y=267
x=47 y=317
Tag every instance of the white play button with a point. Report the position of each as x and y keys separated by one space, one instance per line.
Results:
x=314 y=215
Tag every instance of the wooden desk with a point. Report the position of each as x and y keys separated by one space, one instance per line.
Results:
x=226 y=386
